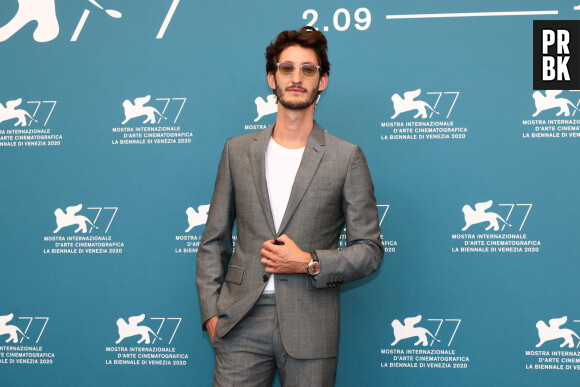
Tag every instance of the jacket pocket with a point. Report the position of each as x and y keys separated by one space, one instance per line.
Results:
x=321 y=185
x=235 y=274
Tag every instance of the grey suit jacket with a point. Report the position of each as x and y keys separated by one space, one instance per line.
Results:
x=332 y=188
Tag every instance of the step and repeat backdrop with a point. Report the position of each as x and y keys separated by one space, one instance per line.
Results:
x=113 y=114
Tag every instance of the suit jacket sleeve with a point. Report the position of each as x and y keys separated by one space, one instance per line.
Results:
x=364 y=250
x=215 y=250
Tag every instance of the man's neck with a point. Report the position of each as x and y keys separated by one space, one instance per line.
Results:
x=293 y=127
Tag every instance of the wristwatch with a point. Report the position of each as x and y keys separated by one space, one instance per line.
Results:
x=313 y=268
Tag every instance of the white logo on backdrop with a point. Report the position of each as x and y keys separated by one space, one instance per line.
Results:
x=480 y=216
x=549 y=101
x=380 y=207
x=11 y=330
x=412 y=117
x=408 y=330
x=408 y=103
x=9 y=112
x=134 y=329
x=40 y=11
x=43 y=12
x=139 y=109
x=70 y=218
x=554 y=332
x=264 y=108
x=85 y=15
x=110 y=12
x=196 y=218
x=499 y=236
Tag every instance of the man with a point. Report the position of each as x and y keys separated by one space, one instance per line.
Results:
x=291 y=189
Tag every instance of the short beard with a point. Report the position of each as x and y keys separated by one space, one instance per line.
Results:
x=295 y=105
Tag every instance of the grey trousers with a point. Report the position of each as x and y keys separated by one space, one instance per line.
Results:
x=252 y=351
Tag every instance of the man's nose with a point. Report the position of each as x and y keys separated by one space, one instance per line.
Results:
x=297 y=75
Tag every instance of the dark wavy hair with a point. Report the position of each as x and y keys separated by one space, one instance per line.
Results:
x=306 y=37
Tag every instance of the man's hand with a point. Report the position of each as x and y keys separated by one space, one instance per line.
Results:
x=284 y=259
x=210 y=326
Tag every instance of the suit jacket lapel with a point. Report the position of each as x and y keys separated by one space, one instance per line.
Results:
x=313 y=153
x=258 y=160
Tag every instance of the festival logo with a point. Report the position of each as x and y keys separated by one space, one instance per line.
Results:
x=20 y=120
x=553 y=331
x=22 y=116
x=158 y=119
x=138 y=109
x=389 y=245
x=132 y=328
x=480 y=216
x=409 y=330
x=554 y=115
x=435 y=333
x=489 y=229
x=23 y=337
x=111 y=12
x=196 y=218
x=92 y=220
x=15 y=335
x=426 y=117
x=264 y=108
x=137 y=330
x=408 y=103
x=43 y=14
x=189 y=243
x=71 y=218
x=9 y=112
x=549 y=101
x=557 y=349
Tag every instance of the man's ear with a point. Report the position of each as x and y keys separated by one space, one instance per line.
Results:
x=271 y=81
x=323 y=82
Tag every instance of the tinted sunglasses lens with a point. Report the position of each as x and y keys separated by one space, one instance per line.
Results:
x=286 y=68
x=309 y=70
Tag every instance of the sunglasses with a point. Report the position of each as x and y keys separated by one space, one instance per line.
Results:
x=308 y=70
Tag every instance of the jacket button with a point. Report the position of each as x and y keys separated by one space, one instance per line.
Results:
x=265 y=278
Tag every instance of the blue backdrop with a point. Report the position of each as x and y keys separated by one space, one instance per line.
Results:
x=113 y=117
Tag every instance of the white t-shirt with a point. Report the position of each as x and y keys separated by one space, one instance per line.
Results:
x=281 y=167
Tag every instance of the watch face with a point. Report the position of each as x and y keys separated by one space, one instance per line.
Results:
x=314 y=268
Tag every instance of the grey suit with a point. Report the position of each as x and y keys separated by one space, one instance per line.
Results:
x=332 y=188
